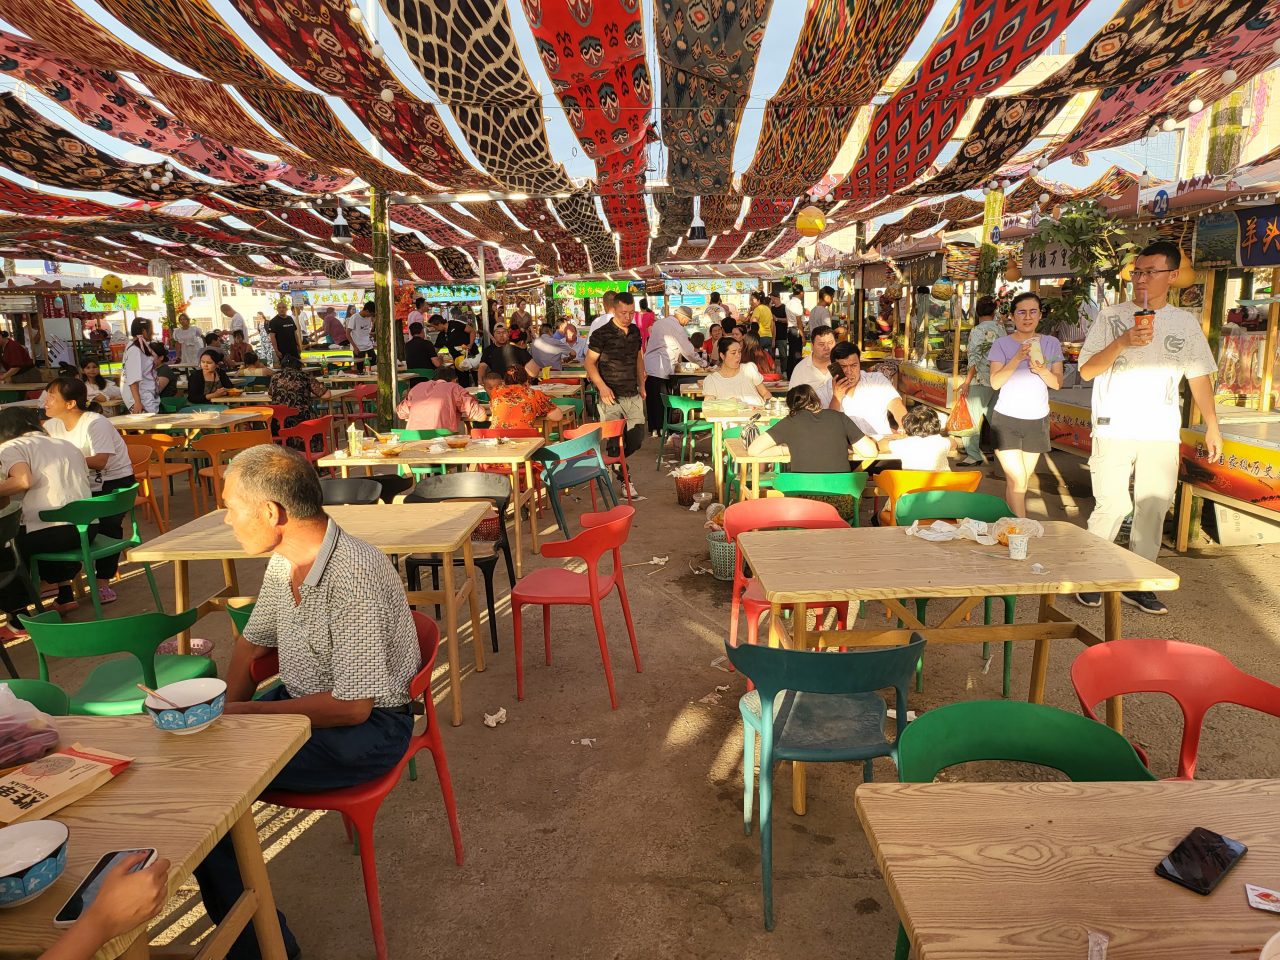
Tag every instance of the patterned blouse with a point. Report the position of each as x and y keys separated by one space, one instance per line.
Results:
x=297 y=389
x=517 y=407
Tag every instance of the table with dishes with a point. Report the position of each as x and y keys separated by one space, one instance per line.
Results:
x=338 y=379
x=460 y=451
x=556 y=391
x=397 y=529
x=726 y=414
x=749 y=464
x=179 y=795
x=694 y=389
x=983 y=871
x=203 y=420
x=262 y=399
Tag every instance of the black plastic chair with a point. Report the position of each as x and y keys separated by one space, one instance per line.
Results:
x=392 y=485
x=12 y=567
x=354 y=490
x=493 y=487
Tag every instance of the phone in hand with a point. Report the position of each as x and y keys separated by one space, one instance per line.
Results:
x=1201 y=860
x=87 y=891
x=835 y=371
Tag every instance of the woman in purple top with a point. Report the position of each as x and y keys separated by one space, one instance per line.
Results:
x=1025 y=366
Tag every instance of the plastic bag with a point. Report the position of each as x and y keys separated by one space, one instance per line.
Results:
x=961 y=420
x=26 y=734
x=1007 y=525
x=715 y=517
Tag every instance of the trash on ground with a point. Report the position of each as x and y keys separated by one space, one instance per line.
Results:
x=584 y=742
x=493 y=719
x=892 y=714
x=723 y=688
x=710 y=698
x=719 y=664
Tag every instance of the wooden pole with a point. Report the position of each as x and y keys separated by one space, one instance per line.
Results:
x=485 y=323
x=382 y=313
x=955 y=342
x=1269 y=347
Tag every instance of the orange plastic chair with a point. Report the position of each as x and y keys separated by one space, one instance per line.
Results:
x=609 y=430
x=1197 y=677
x=773 y=513
x=549 y=586
x=261 y=418
x=141 y=455
x=162 y=469
x=220 y=448
x=894 y=483
x=359 y=804
x=306 y=431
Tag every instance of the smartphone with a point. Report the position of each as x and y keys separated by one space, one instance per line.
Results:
x=1201 y=860
x=835 y=371
x=87 y=892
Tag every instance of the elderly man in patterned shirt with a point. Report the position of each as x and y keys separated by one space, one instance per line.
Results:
x=335 y=611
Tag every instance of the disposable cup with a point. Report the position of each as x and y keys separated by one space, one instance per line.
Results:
x=1271 y=949
x=1018 y=546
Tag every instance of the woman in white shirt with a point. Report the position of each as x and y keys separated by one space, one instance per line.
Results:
x=101 y=390
x=735 y=380
x=138 y=383
x=44 y=473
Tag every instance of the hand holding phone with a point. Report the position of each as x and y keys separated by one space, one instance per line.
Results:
x=123 y=889
x=1201 y=860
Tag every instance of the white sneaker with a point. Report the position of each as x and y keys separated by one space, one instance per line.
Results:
x=629 y=490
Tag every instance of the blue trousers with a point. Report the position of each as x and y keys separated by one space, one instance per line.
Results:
x=332 y=757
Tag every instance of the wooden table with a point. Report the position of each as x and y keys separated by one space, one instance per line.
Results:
x=36 y=403
x=180 y=795
x=983 y=871
x=695 y=389
x=264 y=399
x=419 y=453
x=396 y=529
x=209 y=420
x=718 y=423
x=805 y=567
x=735 y=448
x=338 y=379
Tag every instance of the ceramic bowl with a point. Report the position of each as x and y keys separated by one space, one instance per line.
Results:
x=201 y=700
x=32 y=857
x=457 y=442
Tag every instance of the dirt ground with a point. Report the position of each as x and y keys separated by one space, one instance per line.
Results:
x=593 y=833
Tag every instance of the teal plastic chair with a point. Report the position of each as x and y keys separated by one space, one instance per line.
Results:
x=44 y=696
x=686 y=428
x=817 y=707
x=572 y=463
x=568 y=403
x=823 y=485
x=84 y=513
x=421 y=373
x=111 y=689
x=957 y=505
x=1083 y=749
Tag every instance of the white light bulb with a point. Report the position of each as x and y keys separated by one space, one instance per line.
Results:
x=1196 y=105
x=155 y=187
x=1042 y=163
x=377 y=52
x=1168 y=125
x=146 y=173
x=1044 y=198
x=829 y=197
x=1229 y=76
x=993 y=185
x=356 y=15
x=386 y=94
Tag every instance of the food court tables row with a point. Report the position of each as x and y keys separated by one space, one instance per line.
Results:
x=187 y=422
x=804 y=568
x=181 y=795
x=397 y=529
x=983 y=871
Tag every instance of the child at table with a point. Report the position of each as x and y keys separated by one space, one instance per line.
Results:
x=926 y=445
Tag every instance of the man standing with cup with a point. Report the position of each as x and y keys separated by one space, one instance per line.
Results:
x=1138 y=352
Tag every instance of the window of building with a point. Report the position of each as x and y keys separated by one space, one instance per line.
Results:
x=198 y=287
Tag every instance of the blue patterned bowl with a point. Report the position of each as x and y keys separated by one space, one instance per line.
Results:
x=201 y=700
x=32 y=856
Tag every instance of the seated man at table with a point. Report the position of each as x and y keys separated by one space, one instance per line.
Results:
x=419 y=352
x=334 y=609
x=439 y=404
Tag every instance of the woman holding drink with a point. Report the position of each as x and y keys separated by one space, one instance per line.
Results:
x=1025 y=366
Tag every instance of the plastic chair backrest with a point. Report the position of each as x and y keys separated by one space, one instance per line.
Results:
x=894 y=483
x=428 y=646
x=409 y=435
x=220 y=447
x=821 y=484
x=950 y=505
x=601 y=533
x=355 y=490
x=468 y=485
x=1196 y=677
x=41 y=694
x=422 y=373
x=137 y=636
x=140 y=454
x=555 y=456
x=391 y=485
x=172 y=404
x=161 y=443
x=364 y=391
x=240 y=615
x=1010 y=730
x=608 y=430
x=684 y=405
x=319 y=427
x=774 y=513
x=82 y=513
x=511 y=433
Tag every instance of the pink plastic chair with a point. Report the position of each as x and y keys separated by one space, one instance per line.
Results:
x=1195 y=676
x=602 y=532
x=772 y=513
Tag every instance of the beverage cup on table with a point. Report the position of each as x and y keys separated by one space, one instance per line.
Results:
x=1018 y=545
x=1271 y=949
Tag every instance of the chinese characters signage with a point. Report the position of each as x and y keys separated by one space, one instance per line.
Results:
x=441 y=291
x=1071 y=427
x=1052 y=261
x=1244 y=471
x=92 y=304
x=1259 y=236
x=581 y=289
x=929 y=386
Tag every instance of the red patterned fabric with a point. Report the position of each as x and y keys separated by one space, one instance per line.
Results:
x=19 y=199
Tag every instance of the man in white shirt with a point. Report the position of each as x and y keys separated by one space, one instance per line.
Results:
x=1137 y=421
x=190 y=341
x=235 y=321
x=361 y=331
x=605 y=317
x=795 y=308
x=868 y=399
x=668 y=343
x=820 y=315
x=415 y=315
x=813 y=368
x=550 y=350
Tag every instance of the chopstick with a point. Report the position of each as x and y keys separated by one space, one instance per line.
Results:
x=163 y=699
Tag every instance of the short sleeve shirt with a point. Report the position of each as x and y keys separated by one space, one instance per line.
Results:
x=807 y=372
x=59 y=474
x=981 y=339
x=286 y=331
x=94 y=435
x=868 y=404
x=818 y=442
x=352 y=635
x=517 y=407
x=1024 y=395
x=503 y=358
x=1137 y=398
x=741 y=386
x=763 y=316
x=618 y=350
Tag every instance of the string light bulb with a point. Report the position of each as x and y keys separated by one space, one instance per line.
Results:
x=1044 y=198
x=1195 y=106
x=356 y=15
x=1229 y=76
x=387 y=95
x=1042 y=163
x=1168 y=124
x=1144 y=178
x=377 y=52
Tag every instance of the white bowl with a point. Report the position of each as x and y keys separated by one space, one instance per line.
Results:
x=201 y=700
x=32 y=857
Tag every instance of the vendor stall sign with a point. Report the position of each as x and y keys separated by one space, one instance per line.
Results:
x=718 y=285
x=121 y=301
x=339 y=298
x=1071 y=427
x=928 y=386
x=1259 y=236
x=17 y=303
x=1247 y=472
x=1052 y=261
x=583 y=289
x=449 y=291
x=1217 y=241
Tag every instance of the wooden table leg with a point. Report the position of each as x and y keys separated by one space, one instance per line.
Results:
x=532 y=495
x=1040 y=658
x=1111 y=630
x=517 y=547
x=742 y=482
x=717 y=459
x=799 y=641
x=755 y=480
x=229 y=575
x=253 y=874
x=182 y=596
x=140 y=949
x=468 y=564
x=451 y=636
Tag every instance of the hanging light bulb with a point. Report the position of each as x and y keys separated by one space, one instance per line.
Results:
x=1168 y=124
x=1275 y=47
x=377 y=52
x=1152 y=130
x=1229 y=76
x=1042 y=163
x=1144 y=178
x=356 y=15
x=829 y=197
x=386 y=94
x=155 y=187
x=993 y=185
x=1195 y=106
x=146 y=173
x=1044 y=198
x=341 y=229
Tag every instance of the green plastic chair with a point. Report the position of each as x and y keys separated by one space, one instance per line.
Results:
x=421 y=373
x=111 y=689
x=172 y=404
x=408 y=436
x=687 y=428
x=84 y=513
x=730 y=465
x=823 y=485
x=957 y=505
x=47 y=697
x=816 y=707
x=1083 y=749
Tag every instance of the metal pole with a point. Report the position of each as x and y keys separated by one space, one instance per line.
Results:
x=485 y=326
x=382 y=319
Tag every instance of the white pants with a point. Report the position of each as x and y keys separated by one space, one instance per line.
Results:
x=1153 y=465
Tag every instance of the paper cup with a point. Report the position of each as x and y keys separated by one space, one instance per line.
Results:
x=1271 y=950
x=1018 y=545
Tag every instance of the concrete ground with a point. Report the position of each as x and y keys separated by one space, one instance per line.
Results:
x=594 y=833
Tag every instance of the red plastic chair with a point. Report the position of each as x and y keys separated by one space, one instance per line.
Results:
x=359 y=804
x=1195 y=676
x=609 y=430
x=772 y=513
x=306 y=431
x=355 y=404
x=551 y=586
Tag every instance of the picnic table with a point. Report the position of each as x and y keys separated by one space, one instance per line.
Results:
x=397 y=529
x=424 y=453
x=807 y=567
x=694 y=389
x=202 y=420
x=264 y=399
x=984 y=871
x=180 y=795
